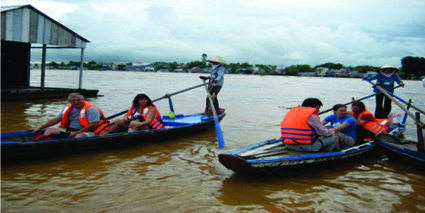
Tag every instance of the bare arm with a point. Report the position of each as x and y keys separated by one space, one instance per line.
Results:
x=49 y=123
x=340 y=127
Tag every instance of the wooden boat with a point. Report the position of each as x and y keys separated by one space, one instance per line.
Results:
x=404 y=150
x=21 y=145
x=409 y=151
x=271 y=158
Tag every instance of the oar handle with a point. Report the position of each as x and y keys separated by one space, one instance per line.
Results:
x=165 y=96
x=411 y=105
x=394 y=100
x=360 y=99
x=178 y=92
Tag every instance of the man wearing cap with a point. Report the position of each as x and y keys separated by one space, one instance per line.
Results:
x=385 y=77
x=217 y=79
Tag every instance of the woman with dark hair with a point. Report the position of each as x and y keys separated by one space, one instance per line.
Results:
x=366 y=124
x=142 y=115
x=343 y=125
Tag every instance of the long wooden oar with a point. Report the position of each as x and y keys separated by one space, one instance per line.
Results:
x=217 y=123
x=396 y=101
x=366 y=97
x=165 y=96
x=407 y=103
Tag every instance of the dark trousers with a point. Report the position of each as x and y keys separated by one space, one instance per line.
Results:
x=382 y=111
x=362 y=133
x=213 y=90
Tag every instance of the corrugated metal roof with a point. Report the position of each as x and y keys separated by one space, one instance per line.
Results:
x=24 y=23
x=7 y=8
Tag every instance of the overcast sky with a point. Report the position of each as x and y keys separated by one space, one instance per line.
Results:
x=277 y=32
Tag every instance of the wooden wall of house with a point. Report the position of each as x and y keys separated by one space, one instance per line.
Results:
x=15 y=64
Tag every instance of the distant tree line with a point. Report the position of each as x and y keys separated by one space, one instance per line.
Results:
x=412 y=67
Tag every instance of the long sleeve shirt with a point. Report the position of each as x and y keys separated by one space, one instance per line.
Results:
x=385 y=82
x=314 y=122
x=217 y=74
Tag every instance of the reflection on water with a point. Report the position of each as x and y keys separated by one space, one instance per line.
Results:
x=183 y=174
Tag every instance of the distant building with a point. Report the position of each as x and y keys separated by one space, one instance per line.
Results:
x=369 y=74
x=322 y=71
x=308 y=74
x=355 y=73
x=148 y=69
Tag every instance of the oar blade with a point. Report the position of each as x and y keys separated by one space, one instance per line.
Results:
x=217 y=123
x=219 y=134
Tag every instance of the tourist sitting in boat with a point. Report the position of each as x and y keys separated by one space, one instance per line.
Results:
x=301 y=129
x=142 y=115
x=79 y=119
x=367 y=126
x=343 y=125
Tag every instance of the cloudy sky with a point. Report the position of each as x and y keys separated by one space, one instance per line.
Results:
x=277 y=32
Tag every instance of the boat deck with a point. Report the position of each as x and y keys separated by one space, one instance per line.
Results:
x=182 y=120
x=276 y=149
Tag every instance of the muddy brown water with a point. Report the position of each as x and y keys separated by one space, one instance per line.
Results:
x=183 y=174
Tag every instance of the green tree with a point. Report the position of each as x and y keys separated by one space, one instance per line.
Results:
x=196 y=64
x=52 y=64
x=304 y=68
x=414 y=67
x=292 y=70
x=366 y=68
x=73 y=63
x=174 y=65
x=121 y=66
x=331 y=66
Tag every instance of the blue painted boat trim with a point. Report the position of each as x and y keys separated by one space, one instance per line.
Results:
x=255 y=146
x=404 y=151
x=179 y=121
x=316 y=155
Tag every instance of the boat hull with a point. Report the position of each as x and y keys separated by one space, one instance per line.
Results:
x=289 y=162
x=405 y=152
x=21 y=145
x=271 y=158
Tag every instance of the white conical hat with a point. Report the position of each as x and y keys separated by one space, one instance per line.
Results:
x=387 y=66
x=217 y=59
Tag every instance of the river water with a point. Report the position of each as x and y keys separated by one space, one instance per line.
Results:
x=184 y=175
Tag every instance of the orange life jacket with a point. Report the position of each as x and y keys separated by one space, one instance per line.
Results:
x=380 y=126
x=157 y=120
x=100 y=129
x=375 y=126
x=294 y=126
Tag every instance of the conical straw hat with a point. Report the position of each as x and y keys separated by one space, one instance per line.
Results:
x=217 y=59
x=387 y=66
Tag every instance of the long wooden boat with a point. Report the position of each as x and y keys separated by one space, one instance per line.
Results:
x=22 y=145
x=271 y=157
x=404 y=150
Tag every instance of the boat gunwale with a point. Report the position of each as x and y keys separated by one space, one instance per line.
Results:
x=62 y=140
